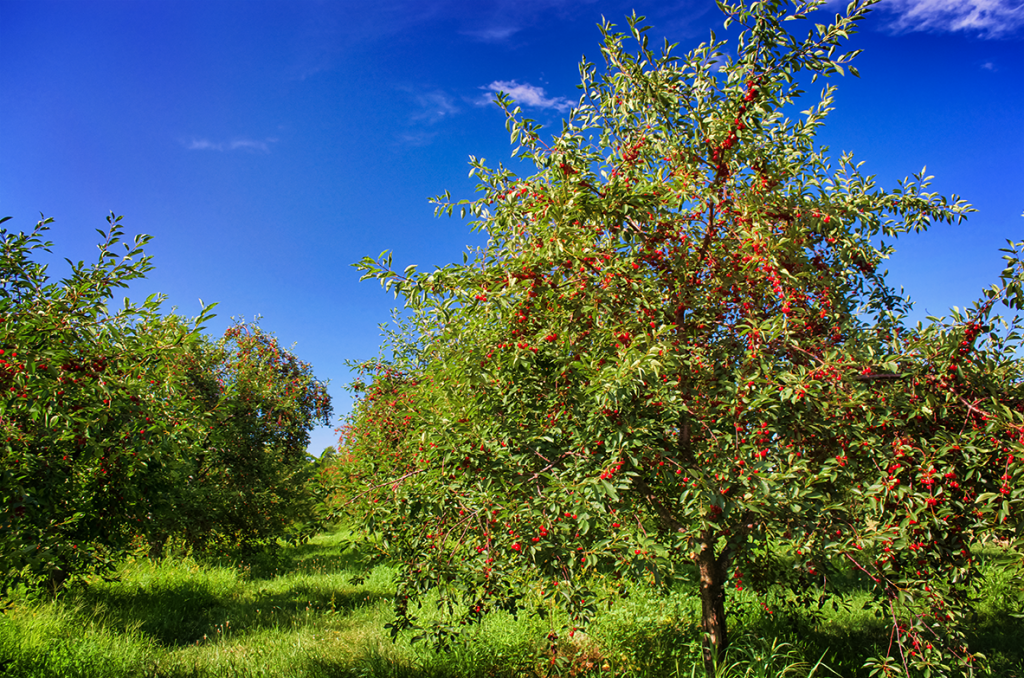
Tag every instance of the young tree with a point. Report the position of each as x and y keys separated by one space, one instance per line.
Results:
x=86 y=407
x=678 y=350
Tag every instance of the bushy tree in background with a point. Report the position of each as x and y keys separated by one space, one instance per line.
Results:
x=678 y=352
x=122 y=424
x=249 y=481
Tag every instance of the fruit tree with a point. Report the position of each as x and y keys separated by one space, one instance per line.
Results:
x=248 y=481
x=123 y=423
x=88 y=407
x=678 y=352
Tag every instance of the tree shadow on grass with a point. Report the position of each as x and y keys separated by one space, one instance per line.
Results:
x=268 y=561
x=847 y=645
x=314 y=558
x=376 y=663
x=184 y=613
x=844 y=647
x=1000 y=637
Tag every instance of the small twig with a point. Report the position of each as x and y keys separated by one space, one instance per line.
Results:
x=886 y=376
x=974 y=408
x=896 y=627
x=395 y=481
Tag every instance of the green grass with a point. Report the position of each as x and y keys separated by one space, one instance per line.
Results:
x=301 y=615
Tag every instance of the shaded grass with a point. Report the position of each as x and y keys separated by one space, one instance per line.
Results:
x=180 y=617
x=306 y=616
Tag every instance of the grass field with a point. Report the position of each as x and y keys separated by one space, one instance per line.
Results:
x=303 y=616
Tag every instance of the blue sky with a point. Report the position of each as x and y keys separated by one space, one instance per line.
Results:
x=268 y=145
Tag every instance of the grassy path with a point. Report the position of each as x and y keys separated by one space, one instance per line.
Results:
x=182 y=618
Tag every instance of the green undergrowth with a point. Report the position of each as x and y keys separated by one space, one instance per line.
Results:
x=317 y=610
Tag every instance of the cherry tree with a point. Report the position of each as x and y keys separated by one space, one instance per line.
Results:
x=87 y=406
x=120 y=423
x=678 y=353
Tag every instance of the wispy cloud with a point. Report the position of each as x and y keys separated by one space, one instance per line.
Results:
x=251 y=145
x=433 y=107
x=493 y=33
x=429 y=109
x=526 y=94
x=416 y=138
x=497 y=21
x=986 y=18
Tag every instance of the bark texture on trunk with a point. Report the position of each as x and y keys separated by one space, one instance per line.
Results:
x=712 y=602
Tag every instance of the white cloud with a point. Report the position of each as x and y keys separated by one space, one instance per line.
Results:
x=252 y=145
x=429 y=110
x=987 y=18
x=527 y=95
x=203 y=145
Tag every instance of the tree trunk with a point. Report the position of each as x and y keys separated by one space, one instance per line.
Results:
x=56 y=579
x=156 y=546
x=712 y=602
